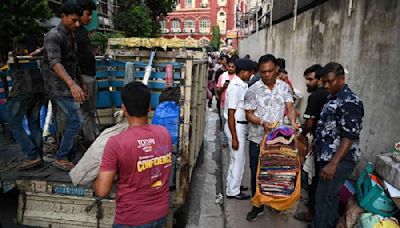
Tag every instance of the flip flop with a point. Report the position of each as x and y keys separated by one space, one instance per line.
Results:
x=64 y=166
x=303 y=216
x=29 y=164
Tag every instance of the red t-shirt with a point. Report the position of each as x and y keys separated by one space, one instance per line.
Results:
x=142 y=158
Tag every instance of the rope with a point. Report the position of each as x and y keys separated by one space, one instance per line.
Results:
x=99 y=209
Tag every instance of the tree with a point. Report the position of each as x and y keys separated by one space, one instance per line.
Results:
x=216 y=37
x=136 y=21
x=141 y=18
x=19 y=24
x=99 y=39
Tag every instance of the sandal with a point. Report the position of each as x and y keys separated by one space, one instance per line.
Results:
x=29 y=164
x=63 y=165
x=303 y=216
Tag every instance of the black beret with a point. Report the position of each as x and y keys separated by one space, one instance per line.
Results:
x=244 y=64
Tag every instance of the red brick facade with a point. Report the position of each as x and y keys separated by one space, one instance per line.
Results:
x=196 y=18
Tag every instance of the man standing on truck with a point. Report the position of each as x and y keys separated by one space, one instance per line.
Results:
x=236 y=128
x=25 y=99
x=87 y=65
x=63 y=79
x=141 y=158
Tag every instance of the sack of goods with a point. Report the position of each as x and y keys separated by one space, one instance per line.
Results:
x=278 y=176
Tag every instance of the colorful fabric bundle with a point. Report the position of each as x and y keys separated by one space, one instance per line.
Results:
x=278 y=182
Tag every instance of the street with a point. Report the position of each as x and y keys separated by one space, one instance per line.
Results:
x=209 y=179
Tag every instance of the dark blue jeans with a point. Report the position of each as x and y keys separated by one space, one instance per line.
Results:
x=254 y=151
x=160 y=223
x=327 y=195
x=29 y=105
x=72 y=112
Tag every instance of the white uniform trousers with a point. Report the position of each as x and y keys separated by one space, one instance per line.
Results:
x=237 y=159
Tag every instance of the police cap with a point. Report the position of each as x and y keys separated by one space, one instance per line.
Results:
x=244 y=64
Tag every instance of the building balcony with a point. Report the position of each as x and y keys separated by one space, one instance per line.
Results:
x=189 y=30
x=204 y=30
x=175 y=30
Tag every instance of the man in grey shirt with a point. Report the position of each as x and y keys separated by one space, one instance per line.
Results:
x=63 y=79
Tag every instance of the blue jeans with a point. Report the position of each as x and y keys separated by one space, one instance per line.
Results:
x=254 y=151
x=160 y=223
x=327 y=195
x=72 y=112
x=17 y=108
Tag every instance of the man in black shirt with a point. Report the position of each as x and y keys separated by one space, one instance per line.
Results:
x=315 y=102
x=87 y=64
x=63 y=79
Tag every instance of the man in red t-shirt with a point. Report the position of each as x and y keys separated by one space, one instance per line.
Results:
x=141 y=158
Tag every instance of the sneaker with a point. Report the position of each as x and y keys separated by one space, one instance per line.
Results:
x=240 y=196
x=254 y=213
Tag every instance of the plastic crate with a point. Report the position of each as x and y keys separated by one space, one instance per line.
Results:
x=372 y=197
x=116 y=99
x=104 y=99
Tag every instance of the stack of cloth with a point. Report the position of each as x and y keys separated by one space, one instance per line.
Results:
x=278 y=163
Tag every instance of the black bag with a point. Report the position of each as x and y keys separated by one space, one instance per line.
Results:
x=170 y=94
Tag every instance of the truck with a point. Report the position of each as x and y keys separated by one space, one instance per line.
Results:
x=47 y=197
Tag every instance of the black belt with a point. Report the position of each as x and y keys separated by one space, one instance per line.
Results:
x=242 y=122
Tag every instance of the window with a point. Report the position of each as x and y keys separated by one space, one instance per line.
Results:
x=175 y=25
x=204 y=26
x=222 y=14
x=204 y=42
x=188 y=3
x=189 y=25
x=162 y=24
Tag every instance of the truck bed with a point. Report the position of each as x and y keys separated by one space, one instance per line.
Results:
x=47 y=174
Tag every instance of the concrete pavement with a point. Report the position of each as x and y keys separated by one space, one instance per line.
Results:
x=206 y=181
x=235 y=211
x=209 y=179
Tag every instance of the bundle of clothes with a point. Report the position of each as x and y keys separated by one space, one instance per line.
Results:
x=278 y=163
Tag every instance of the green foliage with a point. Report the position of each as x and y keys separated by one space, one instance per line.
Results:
x=140 y=18
x=216 y=37
x=99 y=39
x=19 y=23
x=135 y=22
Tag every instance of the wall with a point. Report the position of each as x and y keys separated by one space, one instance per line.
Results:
x=367 y=43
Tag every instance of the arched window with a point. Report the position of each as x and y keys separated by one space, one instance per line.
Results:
x=162 y=24
x=175 y=25
x=204 y=25
x=188 y=25
x=204 y=42
x=221 y=20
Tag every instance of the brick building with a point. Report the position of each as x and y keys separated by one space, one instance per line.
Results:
x=195 y=18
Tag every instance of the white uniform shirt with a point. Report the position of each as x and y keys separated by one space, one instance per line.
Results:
x=235 y=98
x=268 y=105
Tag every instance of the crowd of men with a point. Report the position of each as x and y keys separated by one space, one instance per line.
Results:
x=252 y=97
x=67 y=79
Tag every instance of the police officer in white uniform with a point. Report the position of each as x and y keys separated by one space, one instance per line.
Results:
x=236 y=128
